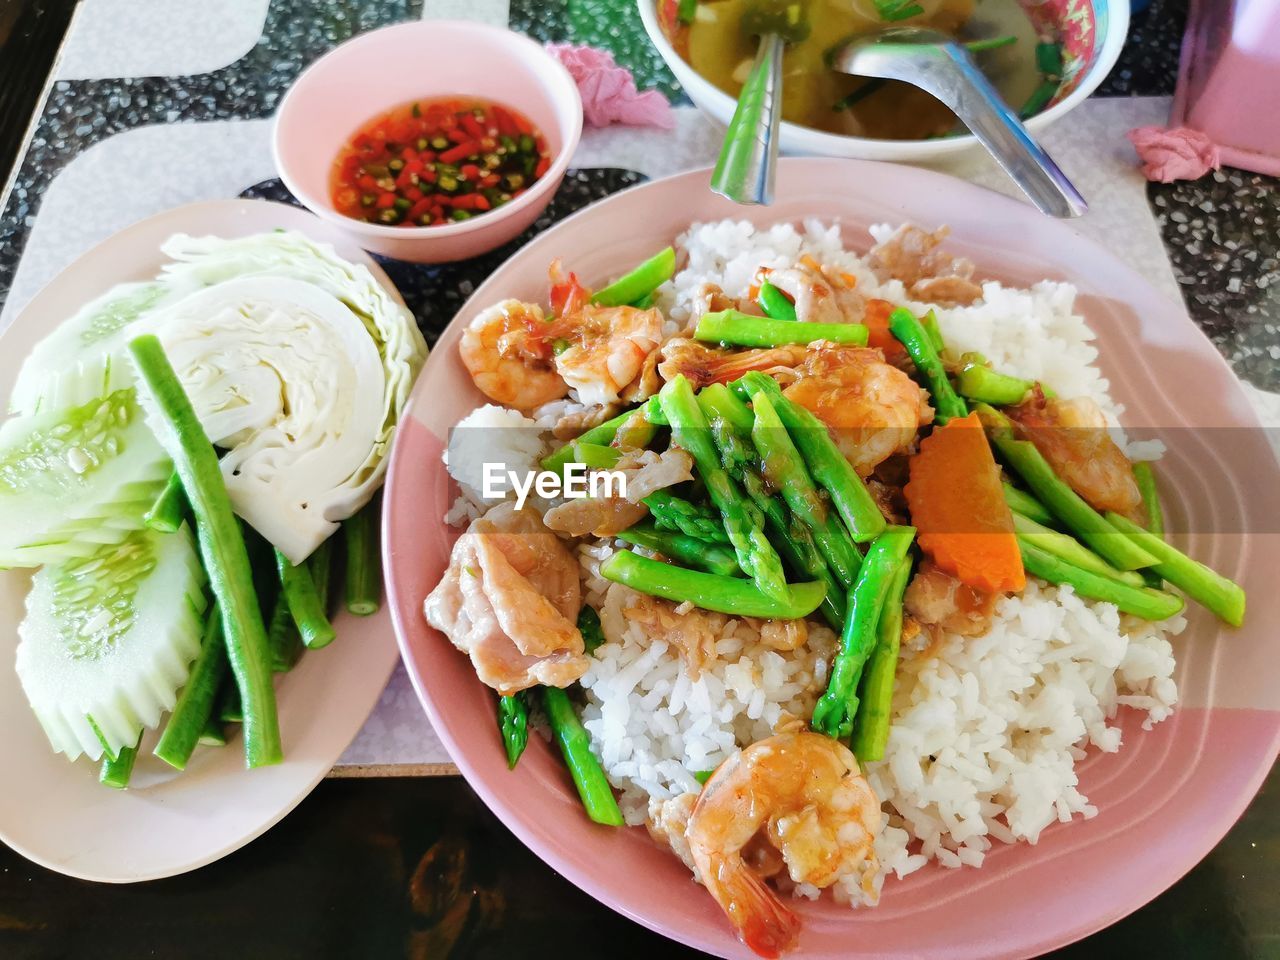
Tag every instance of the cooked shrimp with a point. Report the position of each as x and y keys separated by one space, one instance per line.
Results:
x=1073 y=436
x=912 y=256
x=874 y=410
x=937 y=601
x=820 y=294
x=607 y=348
x=703 y=365
x=509 y=357
x=804 y=792
x=509 y=599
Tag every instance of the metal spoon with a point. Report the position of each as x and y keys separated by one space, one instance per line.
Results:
x=938 y=64
x=745 y=170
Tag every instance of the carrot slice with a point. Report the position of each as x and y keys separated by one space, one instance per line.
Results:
x=958 y=505
x=876 y=319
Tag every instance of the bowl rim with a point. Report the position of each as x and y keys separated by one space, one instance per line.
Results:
x=821 y=142
x=545 y=62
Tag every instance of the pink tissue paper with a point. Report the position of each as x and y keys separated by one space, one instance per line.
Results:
x=609 y=93
x=1174 y=154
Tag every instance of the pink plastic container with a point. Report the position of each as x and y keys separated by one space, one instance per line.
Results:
x=1229 y=80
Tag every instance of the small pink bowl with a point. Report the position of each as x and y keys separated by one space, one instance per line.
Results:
x=376 y=71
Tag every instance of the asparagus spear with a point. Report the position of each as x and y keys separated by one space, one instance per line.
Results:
x=589 y=627
x=1145 y=477
x=196 y=701
x=364 y=565
x=299 y=592
x=513 y=724
x=575 y=744
x=871 y=726
x=979 y=382
x=919 y=345
x=731 y=424
x=930 y=323
x=744 y=330
x=1224 y=597
x=117 y=770
x=640 y=282
x=731 y=595
x=1022 y=455
x=826 y=463
x=1071 y=550
x=784 y=470
x=742 y=520
x=689 y=551
x=595 y=456
x=775 y=303
x=222 y=549
x=836 y=708
x=1140 y=601
x=166 y=514
x=604 y=433
x=670 y=512
x=1020 y=501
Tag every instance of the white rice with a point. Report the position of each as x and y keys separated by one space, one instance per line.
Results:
x=986 y=731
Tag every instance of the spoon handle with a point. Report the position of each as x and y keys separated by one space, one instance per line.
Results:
x=980 y=106
x=748 y=157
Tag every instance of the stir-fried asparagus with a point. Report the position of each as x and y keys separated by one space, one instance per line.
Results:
x=732 y=595
x=742 y=519
x=731 y=424
x=1070 y=549
x=920 y=347
x=1140 y=601
x=640 y=282
x=670 y=512
x=513 y=725
x=871 y=725
x=604 y=433
x=198 y=698
x=1020 y=501
x=774 y=302
x=785 y=471
x=977 y=381
x=827 y=465
x=1068 y=506
x=590 y=628
x=575 y=745
x=836 y=708
x=1210 y=589
x=743 y=330
x=689 y=551
x=1145 y=477
x=222 y=549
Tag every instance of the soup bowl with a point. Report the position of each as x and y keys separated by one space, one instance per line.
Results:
x=1091 y=34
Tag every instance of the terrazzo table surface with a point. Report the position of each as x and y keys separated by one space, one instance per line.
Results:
x=178 y=94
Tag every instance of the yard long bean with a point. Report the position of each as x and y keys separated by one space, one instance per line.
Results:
x=198 y=698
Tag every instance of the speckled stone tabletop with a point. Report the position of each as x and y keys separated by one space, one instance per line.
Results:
x=142 y=88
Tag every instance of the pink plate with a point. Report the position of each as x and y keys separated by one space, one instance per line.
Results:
x=1164 y=800
x=55 y=812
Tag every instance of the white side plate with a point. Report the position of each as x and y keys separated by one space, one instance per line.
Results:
x=55 y=812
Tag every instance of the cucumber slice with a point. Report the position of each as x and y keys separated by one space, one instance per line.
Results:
x=87 y=356
x=108 y=640
x=76 y=479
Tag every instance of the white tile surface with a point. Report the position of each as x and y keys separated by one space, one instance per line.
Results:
x=146 y=38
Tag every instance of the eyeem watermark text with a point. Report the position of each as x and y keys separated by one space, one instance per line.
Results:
x=575 y=483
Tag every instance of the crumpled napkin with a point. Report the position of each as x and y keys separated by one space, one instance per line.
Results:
x=609 y=93
x=1176 y=154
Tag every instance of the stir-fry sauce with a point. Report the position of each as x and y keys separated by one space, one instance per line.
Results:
x=430 y=162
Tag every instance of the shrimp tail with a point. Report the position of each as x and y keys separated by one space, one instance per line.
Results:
x=766 y=925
